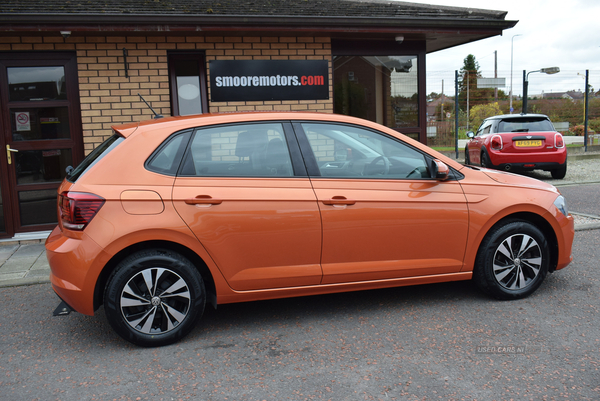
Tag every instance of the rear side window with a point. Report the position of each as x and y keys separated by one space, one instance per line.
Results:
x=95 y=156
x=167 y=158
x=245 y=150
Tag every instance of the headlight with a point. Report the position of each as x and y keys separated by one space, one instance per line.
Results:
x=561 y=204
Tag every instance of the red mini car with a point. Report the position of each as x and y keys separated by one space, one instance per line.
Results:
x=518 y=142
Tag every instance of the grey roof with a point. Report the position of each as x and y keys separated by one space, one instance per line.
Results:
x=440 y=27
x=329 y=8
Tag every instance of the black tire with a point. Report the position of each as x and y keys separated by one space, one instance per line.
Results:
x=467 y=159
x=485 y=160
x=147 y=317
x=559 y=173
x=505 y=271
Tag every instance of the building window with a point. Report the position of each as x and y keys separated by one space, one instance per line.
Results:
x=383 y=89
x=187 y=78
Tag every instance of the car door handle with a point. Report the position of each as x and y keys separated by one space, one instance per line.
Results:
x=203 y=200
x=339 y=200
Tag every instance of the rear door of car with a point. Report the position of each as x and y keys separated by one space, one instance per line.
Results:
x=381 y=220
x=244 y=192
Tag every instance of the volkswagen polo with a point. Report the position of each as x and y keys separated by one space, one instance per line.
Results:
x=169 y=215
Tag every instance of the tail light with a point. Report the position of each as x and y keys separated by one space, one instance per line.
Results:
x=496 y=142
x=559 y=141
x=77 y=209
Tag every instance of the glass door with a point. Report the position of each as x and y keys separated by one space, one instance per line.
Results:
x=42 y=135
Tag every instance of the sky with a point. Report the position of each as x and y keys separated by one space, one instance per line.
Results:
x=565 y=34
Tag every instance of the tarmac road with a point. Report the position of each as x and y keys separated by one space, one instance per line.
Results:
x=443 y=341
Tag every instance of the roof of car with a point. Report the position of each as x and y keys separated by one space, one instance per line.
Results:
x=502 y=116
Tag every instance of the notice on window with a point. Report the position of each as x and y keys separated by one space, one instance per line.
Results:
x=23 y=121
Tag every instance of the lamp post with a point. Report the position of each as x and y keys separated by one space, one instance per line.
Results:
x=549 y=70
x=511 y=70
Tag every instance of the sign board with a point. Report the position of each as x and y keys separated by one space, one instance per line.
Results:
x=255 y=80
x=431 y=131
x=561 y=126
x=491 y=82
x=22 y=121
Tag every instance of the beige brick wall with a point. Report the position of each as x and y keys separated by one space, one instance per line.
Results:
x=108 y=97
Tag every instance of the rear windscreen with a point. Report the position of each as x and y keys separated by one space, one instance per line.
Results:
x=94 y=156
x=525 y=125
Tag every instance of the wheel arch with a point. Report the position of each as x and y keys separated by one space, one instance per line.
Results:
x=193 y=257
x=541 y=223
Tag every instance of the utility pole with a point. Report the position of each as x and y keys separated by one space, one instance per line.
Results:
x=495 y=74
x=442 y=113
x=468 y=100
x=511 y=71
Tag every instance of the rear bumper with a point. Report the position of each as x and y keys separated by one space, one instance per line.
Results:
x=529 y=161
x=71 y=265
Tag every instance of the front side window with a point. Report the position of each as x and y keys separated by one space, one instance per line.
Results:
x=351 y=152
x=247 y=150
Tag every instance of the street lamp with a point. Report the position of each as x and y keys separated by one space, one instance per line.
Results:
x=511 y=70
x=549 y=70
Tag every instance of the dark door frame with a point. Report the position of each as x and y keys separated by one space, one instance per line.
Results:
x=75 y=142
x=173 y=57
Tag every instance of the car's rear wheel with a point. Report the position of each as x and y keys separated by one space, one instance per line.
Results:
x=512 y=261
x=485 y=160
x=154 y=297
x=559 y=173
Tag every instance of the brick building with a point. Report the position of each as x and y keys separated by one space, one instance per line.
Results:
x=71 y=70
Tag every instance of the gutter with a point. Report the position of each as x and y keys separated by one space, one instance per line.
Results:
x=179 y=22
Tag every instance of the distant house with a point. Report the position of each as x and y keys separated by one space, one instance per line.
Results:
x=571 y=95
x=434 y=111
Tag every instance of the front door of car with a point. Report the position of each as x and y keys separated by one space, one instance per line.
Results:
x=383 y=217
x=477 y=143
x=251 y=205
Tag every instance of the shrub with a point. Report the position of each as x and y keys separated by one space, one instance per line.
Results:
x=578 y=130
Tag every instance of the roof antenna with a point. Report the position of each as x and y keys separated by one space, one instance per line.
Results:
x=156 y=115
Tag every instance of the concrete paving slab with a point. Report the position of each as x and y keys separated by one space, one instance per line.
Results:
x=41 y=263
x=6 y=251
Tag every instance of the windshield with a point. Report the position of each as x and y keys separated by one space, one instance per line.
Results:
x=531 y=124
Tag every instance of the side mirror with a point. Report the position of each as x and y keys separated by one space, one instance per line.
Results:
x=471 y=134
x=439 y=170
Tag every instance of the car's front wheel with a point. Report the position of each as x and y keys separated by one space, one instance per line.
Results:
x=154 y=297
x=467 y=158
x=512 y=261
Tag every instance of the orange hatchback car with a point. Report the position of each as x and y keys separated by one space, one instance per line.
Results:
x=168 y=215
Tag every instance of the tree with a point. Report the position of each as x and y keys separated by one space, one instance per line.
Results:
x=483 y=111
x=468 y=80
x=468 y=77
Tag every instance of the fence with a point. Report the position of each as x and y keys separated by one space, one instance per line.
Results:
x=560 y=96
